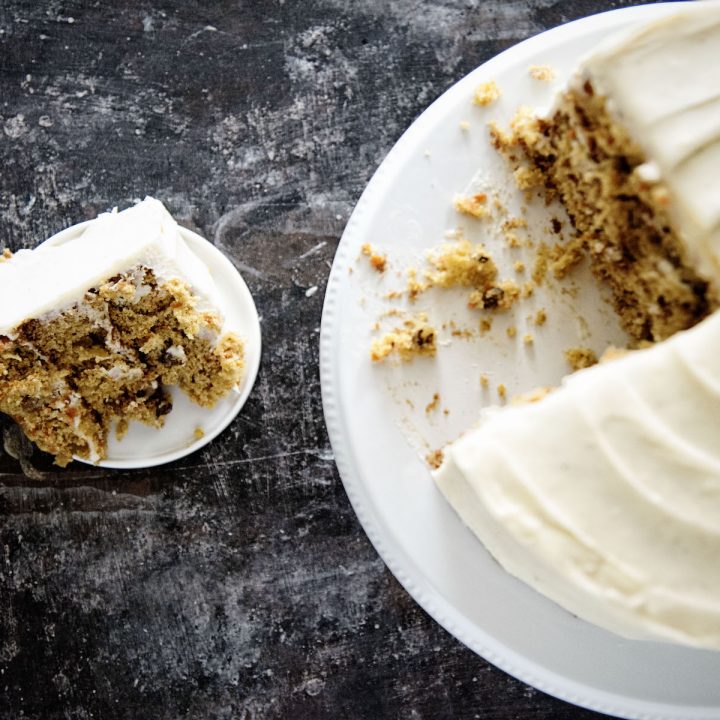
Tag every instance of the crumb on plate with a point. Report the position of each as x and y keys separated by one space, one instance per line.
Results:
x=544 y=73
x=377 y=261
x=580 y=357
x=434 y=459
x=472 y=205
x=433 y=404
x=416 y=337
x=486 y=93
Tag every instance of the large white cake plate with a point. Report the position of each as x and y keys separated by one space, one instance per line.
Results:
x=382 y=420
x=144 y=446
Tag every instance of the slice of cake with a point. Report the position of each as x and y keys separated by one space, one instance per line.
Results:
x=604 y=494
x=94 y=330
x=631 y=149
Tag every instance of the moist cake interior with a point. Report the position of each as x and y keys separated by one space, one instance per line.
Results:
x=66 y=378
x=583 y=158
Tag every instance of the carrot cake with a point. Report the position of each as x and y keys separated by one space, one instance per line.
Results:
x=94 y=330
x=628 y=149
x=604 y=494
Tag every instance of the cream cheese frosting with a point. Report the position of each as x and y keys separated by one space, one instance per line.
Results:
x=663 y=84
x=605 y=495
x=54 y=276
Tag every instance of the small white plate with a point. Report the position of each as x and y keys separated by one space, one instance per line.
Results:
x=380 y=429
x=144 y=446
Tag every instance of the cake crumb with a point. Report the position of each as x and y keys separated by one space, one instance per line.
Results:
x=416 y=337
x=198 y=433
x=486 y=93
x=464 y=125
x=541 y=317
x=500 y=296
x=472 y=205
x=528 y=339
x=486 y=325
x=564 y=257
x=414 y=287
x=498 y=204
x=377 y=261
x=519 y=266
x=543 y=73
x=434 y=459
x=484 y=381
x=514 y=223
x=502 y=391
x=433 y=404
x=460 y=332
x=527 y=178
x=508 y=228
x=580 y=357
x=513 y=240
x=462 y=265
x=6 y=255
x=511 y=331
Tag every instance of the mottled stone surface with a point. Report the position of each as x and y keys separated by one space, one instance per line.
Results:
x=235 y=583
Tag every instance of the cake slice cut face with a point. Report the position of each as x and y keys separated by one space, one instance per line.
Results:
x=94 y=330
x=631 y=149
x=604 y=494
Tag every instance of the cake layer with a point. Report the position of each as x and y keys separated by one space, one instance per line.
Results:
x=605 y=495
x=663 y=86
x=630 y=149
x=53 y=277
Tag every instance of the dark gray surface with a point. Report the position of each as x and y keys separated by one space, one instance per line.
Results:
x=235 y=583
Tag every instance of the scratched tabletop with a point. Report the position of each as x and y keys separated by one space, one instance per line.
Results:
x=236 y=582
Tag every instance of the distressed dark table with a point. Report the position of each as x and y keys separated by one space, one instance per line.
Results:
x=235 y=583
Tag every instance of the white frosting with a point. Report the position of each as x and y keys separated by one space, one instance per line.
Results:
x=605 y=495
x=663 y=85
x=52 y=277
